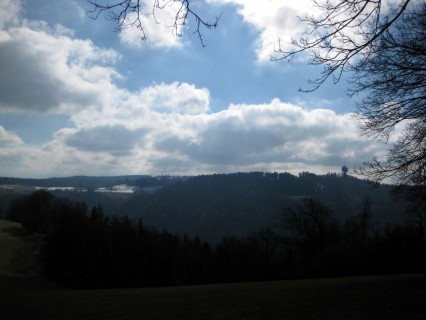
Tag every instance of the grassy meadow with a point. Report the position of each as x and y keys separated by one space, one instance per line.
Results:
x=370 y=297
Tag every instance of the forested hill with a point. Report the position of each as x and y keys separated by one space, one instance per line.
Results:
x=214 y=206
x=220 y=205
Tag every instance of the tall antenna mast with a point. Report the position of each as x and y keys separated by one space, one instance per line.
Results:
x=344 y=168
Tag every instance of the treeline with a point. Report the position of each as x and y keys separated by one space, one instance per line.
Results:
x=153 y=182
x=219 y=205
x=84 y=248
x=321 y=245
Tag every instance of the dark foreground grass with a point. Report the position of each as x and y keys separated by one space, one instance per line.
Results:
x=9 y=245
x=377 y=297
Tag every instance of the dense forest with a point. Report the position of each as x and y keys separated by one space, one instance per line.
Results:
x=220 y=205
x=215 y=206
x=82 y=247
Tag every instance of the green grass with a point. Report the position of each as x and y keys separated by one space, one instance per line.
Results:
x=373 y=297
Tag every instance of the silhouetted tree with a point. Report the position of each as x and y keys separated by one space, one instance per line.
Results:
x=364 y=218
x=310 y=221
x=383 y=48
x=34 y=211
x=394 y=78
x=82 y=248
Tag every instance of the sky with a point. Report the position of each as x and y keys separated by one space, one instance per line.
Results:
x=78 y=98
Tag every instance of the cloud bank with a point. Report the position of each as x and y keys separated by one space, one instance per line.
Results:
x=47 y=70
x=164 y=128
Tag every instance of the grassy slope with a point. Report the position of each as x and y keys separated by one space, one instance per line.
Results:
x=377 y=297
x=9 y=244
x=16 y=261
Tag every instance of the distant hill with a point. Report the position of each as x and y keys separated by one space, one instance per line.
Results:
x=11 y=188
x=220 y=205
x=214 y=206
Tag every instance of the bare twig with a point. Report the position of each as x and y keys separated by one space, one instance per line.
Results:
x=332 y=40
x=119 y=11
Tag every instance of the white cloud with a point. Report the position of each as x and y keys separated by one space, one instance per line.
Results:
x=132 y=137
x=254 y=135
x=45 y=70
x=129 y=135
x=176 y=97
x=158 y=25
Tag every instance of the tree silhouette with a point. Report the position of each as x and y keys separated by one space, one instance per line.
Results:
x=310 y=221
x=364 y=218
x=394 y=78
x=83 y=248
x=382 y=46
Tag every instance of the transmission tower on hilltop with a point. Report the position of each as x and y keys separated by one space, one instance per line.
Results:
x=344 y=171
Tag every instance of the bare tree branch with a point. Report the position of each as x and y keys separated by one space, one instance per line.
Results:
x=384 y=52
x=346 y=29
x=120 y=12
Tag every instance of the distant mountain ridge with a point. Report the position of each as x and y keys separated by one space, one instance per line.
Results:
x=74 y=181
x=218 y=205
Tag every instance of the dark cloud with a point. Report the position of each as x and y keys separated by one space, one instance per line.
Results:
x=10 y=162
x=24 y=82
x=116 y=140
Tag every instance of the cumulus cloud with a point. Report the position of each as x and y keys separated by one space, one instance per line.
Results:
x=159 y=129
x=158 y=105
x=271 y=136
x=45 y=70
x=254 y=135
x=176 y=98
x=116 y=140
